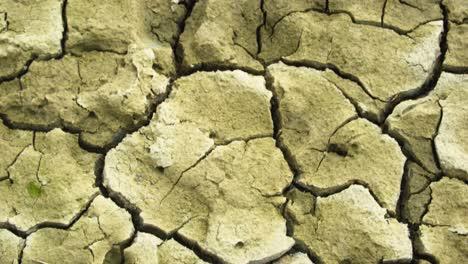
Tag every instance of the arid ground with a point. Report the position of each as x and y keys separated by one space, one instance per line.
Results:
x=233 y=131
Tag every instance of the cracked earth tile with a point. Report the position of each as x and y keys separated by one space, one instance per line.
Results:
x=417 y=195
x=12 y=143
x=447 y=246
x=296 y=258
x=239 y=185
x=31 y=29
x=114 y=25
x=212 y=204
x=444 y=232
x=457 y=38
x=95 y=238
x=400 y=15
x=10 y=247
x=449 y=205
x=387 y=64
x=367 y=235
x=316 y=129
x=456 y=58
x=418 y=122
x=359 y=152
x=282 y=75
x=221 y=197
x=415 y=123
x=310 y=108
x=103 y=105
x=149 y=249
x=50 y=182
x=222 y=33
x=451 y=141
x=229 y=105
x=457 y=10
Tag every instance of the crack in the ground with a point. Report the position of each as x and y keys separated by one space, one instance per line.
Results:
x=382 y=16
x=432 y=79
x=259 y=27
x=335 y=148
x=140 y=226
x=293 y=165
x=455 y=69
x=403 y=2
x=329 y=66
x=428 y=86
x=102 y=190
x=177 y=48
x=404 y=193
x=23 y=71
x=299 y=245
x=7 y=177
x=69 y=128
x=276 y=116
x=138 y=223
x=405 y=147
x=24 y=234
x=65 y=26
x=414 y=236
x=203 y=157
x=326 y=192
x=436 y=133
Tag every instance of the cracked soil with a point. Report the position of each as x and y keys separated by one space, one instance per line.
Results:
x=220 y=131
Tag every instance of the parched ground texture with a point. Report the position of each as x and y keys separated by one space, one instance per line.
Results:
x=221 y=131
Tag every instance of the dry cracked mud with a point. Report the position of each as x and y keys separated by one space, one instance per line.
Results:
x=243 y=132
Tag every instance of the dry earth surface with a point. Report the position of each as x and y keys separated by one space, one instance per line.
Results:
x=221 y=131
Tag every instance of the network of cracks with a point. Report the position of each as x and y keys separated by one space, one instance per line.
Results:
x=216 y=131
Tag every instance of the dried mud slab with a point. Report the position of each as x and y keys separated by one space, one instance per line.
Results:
x=386 y=63
x=229 y=105
x=331 y=147
x=222 y=197
x=114 y=25
x=457 y=38
x=367 y=235
x=457 y=10
x=250 y=132
x=416 y=195
x=22 y=40
x=10 y=247
x=434 y=126
x=415 y=123
x=148 y=249
x=456 y=59
x=443 y=234
x=13 y=143
x=222 y=34
x=50 y=181
x=72 y=93
x=452 y=139
x=95 y=238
